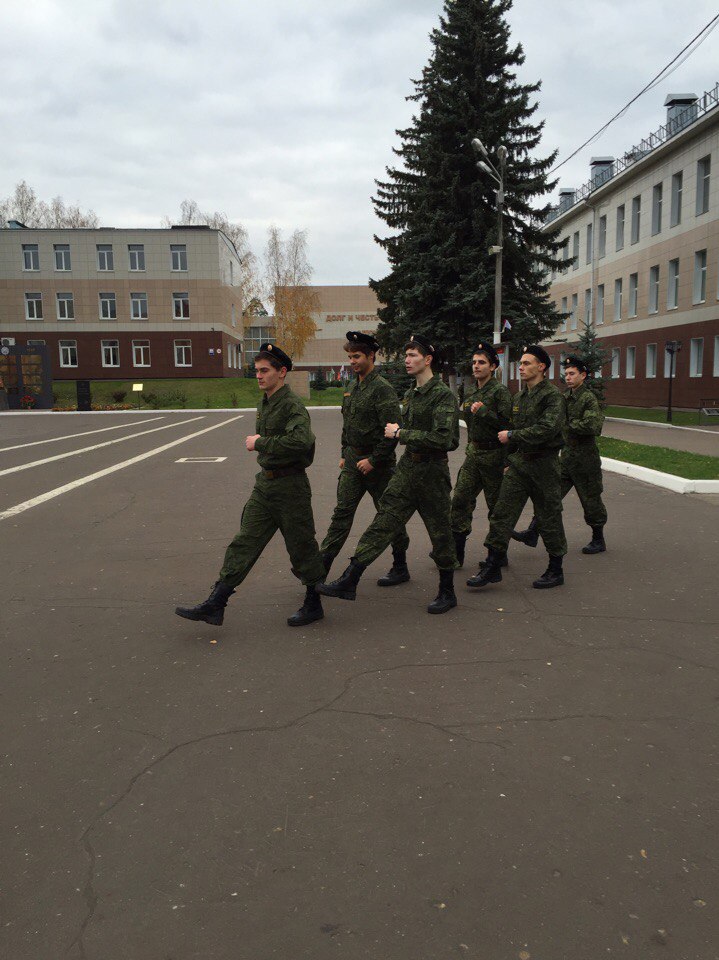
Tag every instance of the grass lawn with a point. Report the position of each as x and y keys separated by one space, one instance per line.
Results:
x=208 y=393
x=681 y=418
x=691 y=466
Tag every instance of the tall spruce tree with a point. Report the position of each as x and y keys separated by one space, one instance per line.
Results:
x=442 y=210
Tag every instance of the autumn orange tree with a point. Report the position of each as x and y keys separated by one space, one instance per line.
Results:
x=287 y=276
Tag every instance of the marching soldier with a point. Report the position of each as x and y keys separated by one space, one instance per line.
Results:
x=534 y=441
x=280 y=500
x=421 y=482
x=368 y=458
x=486 y=410
x=580 y=462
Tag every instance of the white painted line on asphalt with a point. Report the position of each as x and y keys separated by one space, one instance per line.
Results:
x=71 y=436
x=201 y=460
x=96 y=446
x=66 y=488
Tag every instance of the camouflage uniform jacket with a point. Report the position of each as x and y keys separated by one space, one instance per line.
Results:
x=286 y=438
x=584 y=415
x=538 y=418
x=496 y=414
x=430 y=418
x=367 y=408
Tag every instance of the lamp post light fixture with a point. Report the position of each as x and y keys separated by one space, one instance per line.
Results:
x=497 y=175
x=672 y=347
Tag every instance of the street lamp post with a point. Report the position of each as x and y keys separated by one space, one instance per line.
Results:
x=672 y=347
x=497 y=175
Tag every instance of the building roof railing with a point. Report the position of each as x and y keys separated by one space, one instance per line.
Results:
x=677 y=124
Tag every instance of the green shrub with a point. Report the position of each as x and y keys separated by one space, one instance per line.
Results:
x=119 y=395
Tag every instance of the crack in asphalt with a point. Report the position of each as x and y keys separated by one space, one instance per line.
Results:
x=451 y=730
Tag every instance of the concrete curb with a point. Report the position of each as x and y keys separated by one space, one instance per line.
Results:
x=662 y=426
x=658 y=479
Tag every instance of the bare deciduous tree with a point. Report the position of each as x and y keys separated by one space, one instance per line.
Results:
x=287 y=276
x=24 y=206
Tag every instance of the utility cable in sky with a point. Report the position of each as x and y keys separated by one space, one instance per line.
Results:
x=662 y=75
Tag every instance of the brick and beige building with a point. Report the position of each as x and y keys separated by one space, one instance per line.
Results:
x=641 y=240
x=121 y=304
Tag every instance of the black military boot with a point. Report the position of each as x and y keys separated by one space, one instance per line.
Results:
x=310 y=610
x=446 y=598
x=398 y=572
x=212 y=611
x=552 y=576
x=596 y=544
x=345 y=587
x=327 y=560
x=460 y=541
x=530 y=536
x=490 y=570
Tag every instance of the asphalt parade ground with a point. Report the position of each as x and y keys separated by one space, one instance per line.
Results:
x=532 y=776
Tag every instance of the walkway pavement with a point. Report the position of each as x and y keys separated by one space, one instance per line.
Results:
x=530 y=776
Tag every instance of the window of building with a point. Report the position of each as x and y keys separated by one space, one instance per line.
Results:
x=65 y=306
x=673 y=285
x=62 y=256
x=565 y=255
x=631 y=363
x=654 y=289
x=703 y=172
x=589 y=243
x=108 y=306
x=575 y=251
x=617 y=300
x=670 y=364
x=105 y=257
x=178 y=254
x=181 y=306
x=254 y=336
x=183 y=353
x=588 y=306
x=36 y=343
x=136 y=254
x=30 y=256
x=657 y=193
x=33 y=306
x=232 y=273
x=651 y=360
x=716 y=356
x=696 y=356
x=141 y=353
x=602 y=238
x=633 y=288
x=575 y=305
x=620 y=227
x=600 y=303
x=700 y=277
x=636 y=217
x=675 y=215
x=616 y=362
x=565 y=310
x=110 y=353
x=68 y=353
x=138 y=306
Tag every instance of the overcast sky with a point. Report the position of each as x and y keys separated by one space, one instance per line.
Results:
x=285 y=113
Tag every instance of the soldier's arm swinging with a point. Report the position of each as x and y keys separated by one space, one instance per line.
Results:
x=547 y=423
x=586 y=418
x=297 y=438
x=442 y=435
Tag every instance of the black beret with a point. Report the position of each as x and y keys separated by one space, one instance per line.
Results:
x=424 y=343
x=540 y=353
x=574 y=361
x=488 y=348
x=278 y=354
x=356 y=336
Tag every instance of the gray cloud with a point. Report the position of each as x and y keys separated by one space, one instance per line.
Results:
x=280 y=114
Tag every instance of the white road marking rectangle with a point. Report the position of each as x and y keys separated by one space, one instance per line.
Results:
x=67 y=487
x=201 y=460
x=96 y=446
x=72 y=436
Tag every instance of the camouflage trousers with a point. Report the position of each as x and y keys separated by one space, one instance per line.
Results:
x=581 y=468
x=284 y=504
x=538 y=481
x=482 y=470
x=351 y=487
x=422 y=488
